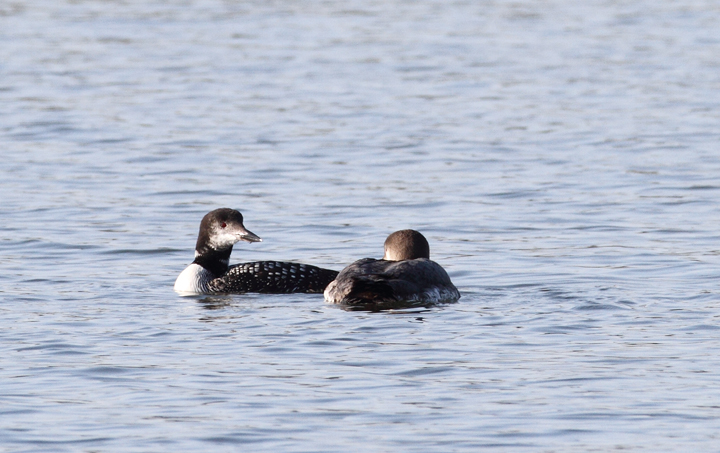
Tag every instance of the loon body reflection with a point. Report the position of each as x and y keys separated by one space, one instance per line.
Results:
x=405 y=274
x=211 y=273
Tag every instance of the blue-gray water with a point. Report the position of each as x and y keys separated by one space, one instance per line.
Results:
x=561 y=157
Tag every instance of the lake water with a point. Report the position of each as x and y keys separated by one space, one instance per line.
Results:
x=561 y=157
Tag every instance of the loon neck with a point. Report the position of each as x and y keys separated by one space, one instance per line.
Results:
x=215 y=261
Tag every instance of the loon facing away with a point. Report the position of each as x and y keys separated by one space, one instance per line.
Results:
x=210 y=273
x=405 y=274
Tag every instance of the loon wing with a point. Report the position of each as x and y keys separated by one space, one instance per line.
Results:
x=273 y=277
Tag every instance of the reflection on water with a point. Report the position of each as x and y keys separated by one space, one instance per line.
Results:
x=395 y=307
x=215 y=302
x=561 y=158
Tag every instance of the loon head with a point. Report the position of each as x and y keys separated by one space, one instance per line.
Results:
x=406 y=245
x=221 y=229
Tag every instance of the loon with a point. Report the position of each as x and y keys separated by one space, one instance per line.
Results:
x=211 y=273
x=404 y=274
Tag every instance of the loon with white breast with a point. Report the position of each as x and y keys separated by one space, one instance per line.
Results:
x=211 y=273
x=404 y=274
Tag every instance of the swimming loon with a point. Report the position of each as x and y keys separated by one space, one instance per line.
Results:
x=404 y=274
x=210 y=273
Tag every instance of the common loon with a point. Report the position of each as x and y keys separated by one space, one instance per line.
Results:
x=404 y=274
x=210 y=273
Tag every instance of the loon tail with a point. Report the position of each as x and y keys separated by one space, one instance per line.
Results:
x=365 y=290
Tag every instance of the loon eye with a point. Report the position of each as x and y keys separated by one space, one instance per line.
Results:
x=223 y=225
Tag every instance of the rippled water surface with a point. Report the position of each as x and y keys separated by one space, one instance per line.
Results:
x=561 y=157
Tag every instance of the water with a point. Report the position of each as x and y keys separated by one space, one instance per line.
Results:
x=561 y=158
